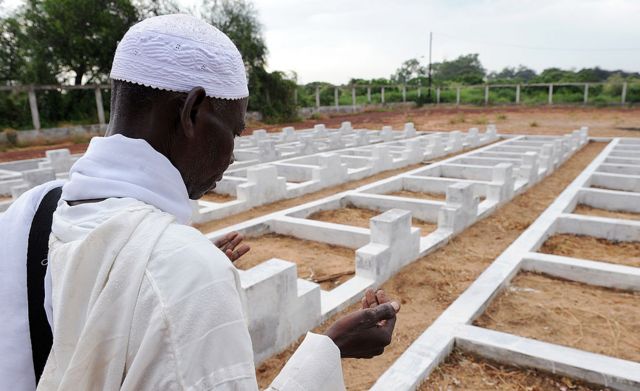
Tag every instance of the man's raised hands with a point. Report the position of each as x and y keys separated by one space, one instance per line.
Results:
x=230 y=245
x=366 y=332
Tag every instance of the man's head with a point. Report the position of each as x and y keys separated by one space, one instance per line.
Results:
x=180 y=84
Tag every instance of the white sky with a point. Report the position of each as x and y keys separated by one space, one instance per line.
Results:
x=334 y=40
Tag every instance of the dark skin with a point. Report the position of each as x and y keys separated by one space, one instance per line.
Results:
x=196 y=133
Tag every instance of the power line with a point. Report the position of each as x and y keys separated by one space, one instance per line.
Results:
x=539 y=47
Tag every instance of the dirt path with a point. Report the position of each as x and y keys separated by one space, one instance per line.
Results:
x=429 y=285
x=605 y=121
x=586 y=317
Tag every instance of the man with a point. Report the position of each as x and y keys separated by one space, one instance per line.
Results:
x=136 y=299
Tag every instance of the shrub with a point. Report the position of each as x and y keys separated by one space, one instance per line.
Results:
x=12 y=137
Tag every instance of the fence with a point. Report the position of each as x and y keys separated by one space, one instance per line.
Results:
x=358 y=96
x=485 y=94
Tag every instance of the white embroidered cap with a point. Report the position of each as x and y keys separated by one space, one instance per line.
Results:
x=178 y=52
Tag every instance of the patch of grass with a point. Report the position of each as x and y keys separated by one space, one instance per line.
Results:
x=533 y=124
x=458 y=119
x=501 y=117
x=481 y=121
x=80 y=138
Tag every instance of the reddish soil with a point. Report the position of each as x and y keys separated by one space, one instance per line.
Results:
x=586 y=317
x=588 y=210
x=609 y=122
x=430 y=284
x=463 y=371
x=419 y=195
x=326 y=264
x=217 y=197
x=597 y=249
x=360 y=217
x=38 y=151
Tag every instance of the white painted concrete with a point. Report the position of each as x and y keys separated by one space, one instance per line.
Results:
x=453 y=325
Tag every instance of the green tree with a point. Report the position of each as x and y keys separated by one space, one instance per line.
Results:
x=409 y=70
x=11 y=57
x=465 y=69
x=512 y=75
x=62 y=38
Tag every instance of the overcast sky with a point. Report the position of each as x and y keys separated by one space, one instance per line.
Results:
x=335 y=40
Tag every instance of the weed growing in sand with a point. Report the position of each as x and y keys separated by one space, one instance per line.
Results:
x=481 y=121
x=501 y=117
x=533 y=124
x=458 y=119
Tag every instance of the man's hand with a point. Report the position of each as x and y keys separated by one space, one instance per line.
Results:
x=366 y=332
x=228 y=245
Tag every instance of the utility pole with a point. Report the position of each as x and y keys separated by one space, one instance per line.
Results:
x=430 y=41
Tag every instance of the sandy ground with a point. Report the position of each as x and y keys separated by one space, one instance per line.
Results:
x=586 y=317
x=428 y=286
x=359 y=217
x=216 y=197
x=284 y=204
x=319 y=262
x=463 y=371
x=588 y=210
x=419 y=195
x=596 y=249
x=605 y=121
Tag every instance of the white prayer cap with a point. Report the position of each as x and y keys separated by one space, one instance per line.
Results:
x=179 y=52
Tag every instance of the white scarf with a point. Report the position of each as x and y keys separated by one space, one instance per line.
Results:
x=97 y=280
x=117 y=166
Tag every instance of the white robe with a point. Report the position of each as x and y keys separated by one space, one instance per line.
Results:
x=16 y=365
x=142 y=302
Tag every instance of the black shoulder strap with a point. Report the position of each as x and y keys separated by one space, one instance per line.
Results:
x=37 y=252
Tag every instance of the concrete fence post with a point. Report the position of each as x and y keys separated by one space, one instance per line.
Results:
x=419 y=91
x=368 y=94
x=335 y=97
x=295 y=96
x=99 y=106
x=382 y=95
x=317 y=97
x=404 y=93
x=518 y=94
x=457 y=96
x=486 y=94
x=33 y=105
x=586 y=93
x=623 y=98
x=438 y=95
x=550 y=94
x=353 y=98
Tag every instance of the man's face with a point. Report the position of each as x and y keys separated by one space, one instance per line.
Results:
x=210 y=152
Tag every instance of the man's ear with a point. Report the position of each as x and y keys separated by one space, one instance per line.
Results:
x=192 y=104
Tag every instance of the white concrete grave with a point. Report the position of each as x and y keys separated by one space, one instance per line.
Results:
x=390 y=242
x=453 y=325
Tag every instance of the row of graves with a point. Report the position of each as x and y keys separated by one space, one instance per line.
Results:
x=313 y=260
x=16 y=177
x=561 y=297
